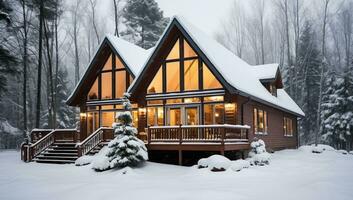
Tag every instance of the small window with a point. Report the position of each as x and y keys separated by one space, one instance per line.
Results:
x=260 y=121
x=192 y=100
x=108 y=64
x=156 y=85
x=213 y=98
x=174 y=101
x=173 y=76
x=273 y=90
x=174 y=53
x=155 y=116
x=288 y=126
x=209 y=80
x=214 y=114
x=93 y=93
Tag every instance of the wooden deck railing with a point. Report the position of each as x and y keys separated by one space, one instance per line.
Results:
x=100 y=135
x=32 y=150
x=37 y=134
x=224 y=133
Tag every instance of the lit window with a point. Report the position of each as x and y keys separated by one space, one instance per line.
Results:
x=173 y=101
x=173 y=76
x=135 y=118
x=192 y=100
x=191 y=74
x=118 y=63
x=108 y=64
x=213 y=98
x=155 y=116
x=156 y=85
x=93 y=93
x=214 y=114
x=120 y=83
x=106 y=85
x=288 y=126
x=260 y=121
x=188 y=51
x=174 y=53
x=107 y=118
x=209 y=80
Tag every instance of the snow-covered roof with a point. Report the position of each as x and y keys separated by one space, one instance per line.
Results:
x=267 y=71
x=133 y=55
x=234 y=70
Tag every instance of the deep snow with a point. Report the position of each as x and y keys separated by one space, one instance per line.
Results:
x=292 y=174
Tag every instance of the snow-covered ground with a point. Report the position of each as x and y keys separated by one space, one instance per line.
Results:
x=292 y=174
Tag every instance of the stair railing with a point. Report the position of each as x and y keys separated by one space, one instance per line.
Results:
x=91 y=141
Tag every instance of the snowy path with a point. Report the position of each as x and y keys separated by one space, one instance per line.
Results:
x=292 y=174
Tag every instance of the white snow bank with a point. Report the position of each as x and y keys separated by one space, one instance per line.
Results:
x=316 y=149
x=100 y=163
x=6 y=127
x=84 y=160
x=238 y=165
x=342 y=151
x=215 y=163
x=351 y=152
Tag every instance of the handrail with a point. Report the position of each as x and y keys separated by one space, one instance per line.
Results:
x=43 y=143
x=91 y=141
x=219 y=133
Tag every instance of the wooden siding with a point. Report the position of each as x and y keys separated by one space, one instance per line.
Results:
x=275 y=138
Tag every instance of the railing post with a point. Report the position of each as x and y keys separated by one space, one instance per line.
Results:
x=79 y=151
x=180 y=133
x=148 y=135
x=222 y=135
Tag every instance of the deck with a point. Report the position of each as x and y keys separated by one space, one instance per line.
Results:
x=217 y=138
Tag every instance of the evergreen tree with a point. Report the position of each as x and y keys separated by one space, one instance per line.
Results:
x=144 y=22
x=309 y=65
x=125 y=149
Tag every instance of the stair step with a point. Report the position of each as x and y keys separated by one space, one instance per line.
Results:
x=62 y=148
x=57 y=157
x=59 y=154
x=53 y=161
x=61 y=151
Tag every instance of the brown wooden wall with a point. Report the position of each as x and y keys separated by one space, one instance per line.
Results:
x=275 y=138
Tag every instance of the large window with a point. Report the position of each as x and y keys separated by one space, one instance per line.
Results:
x=155 y=116
x=288 y=126
x=182 y=70
x=260 y=121
x=173 y=76
x=112 y=81
x=213 y=114
x=191 y=74
x=209 y=80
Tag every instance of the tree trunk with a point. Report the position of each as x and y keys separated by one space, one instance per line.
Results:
x=116 y=32
x=24 y=69
x=39 y=76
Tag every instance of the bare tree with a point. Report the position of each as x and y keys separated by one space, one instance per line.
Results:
x=93 y=4
x=117 y=16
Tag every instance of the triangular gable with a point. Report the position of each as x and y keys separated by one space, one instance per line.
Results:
x=164 y=46
x=109 y=45
x=234 y=73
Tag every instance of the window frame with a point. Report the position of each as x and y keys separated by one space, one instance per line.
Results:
x=287 y=128
x=256 y=122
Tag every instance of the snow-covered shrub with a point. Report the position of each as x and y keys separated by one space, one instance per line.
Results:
x=214 y=163
x=316 y=149
x=239 y=165
x=342 y=151
x=84 y=160
x=258 y=152
x=351 y=152
x=202 y=163
x=125 y=149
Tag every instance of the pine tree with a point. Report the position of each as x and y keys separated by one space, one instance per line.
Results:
x=125 y=149
x=144 y=22
x=309 y=65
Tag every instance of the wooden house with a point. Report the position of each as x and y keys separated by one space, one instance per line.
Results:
x=189 y=93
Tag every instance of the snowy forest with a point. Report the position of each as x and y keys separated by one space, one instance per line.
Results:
x=45 y=46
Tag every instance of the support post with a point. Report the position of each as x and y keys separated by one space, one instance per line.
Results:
x=180 y=157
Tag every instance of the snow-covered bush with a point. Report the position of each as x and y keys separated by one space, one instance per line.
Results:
x=258 y=152
x=214 y=163
x=84 y=160
x=125 y=149
x=342 y=151
x=351 y=152
x=239 y=165
x=316 y=148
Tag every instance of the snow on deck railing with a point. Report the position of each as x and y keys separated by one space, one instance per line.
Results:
x=205 y=126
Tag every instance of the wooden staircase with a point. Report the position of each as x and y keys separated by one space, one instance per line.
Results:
x=60 y=152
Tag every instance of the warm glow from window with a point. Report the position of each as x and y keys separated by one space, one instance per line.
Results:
x=173 y=101
x=192 y=116
x=173 y=76
x=155 y=102
x=107 y=118
x=174 y=117
x=120 y=83
x=106 y=85
x=92 y=122
x=288 y=126
x=191 y=75
x=107 y=107
x=260 y=121
x=135 y=117
x=192 y=100
x=188 y=51
x=174 y=53
x=108 y=64
x=214 y=114
x=118 y=63
x=156 y=86
x=93 y=93
x=155 y=116
x=213 y=98
x=209 y=80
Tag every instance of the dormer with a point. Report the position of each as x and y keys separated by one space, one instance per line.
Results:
x=269 y=76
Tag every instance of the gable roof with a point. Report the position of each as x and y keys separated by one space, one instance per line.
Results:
x=132 y=56
x=266 y=72
x=236 y=72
